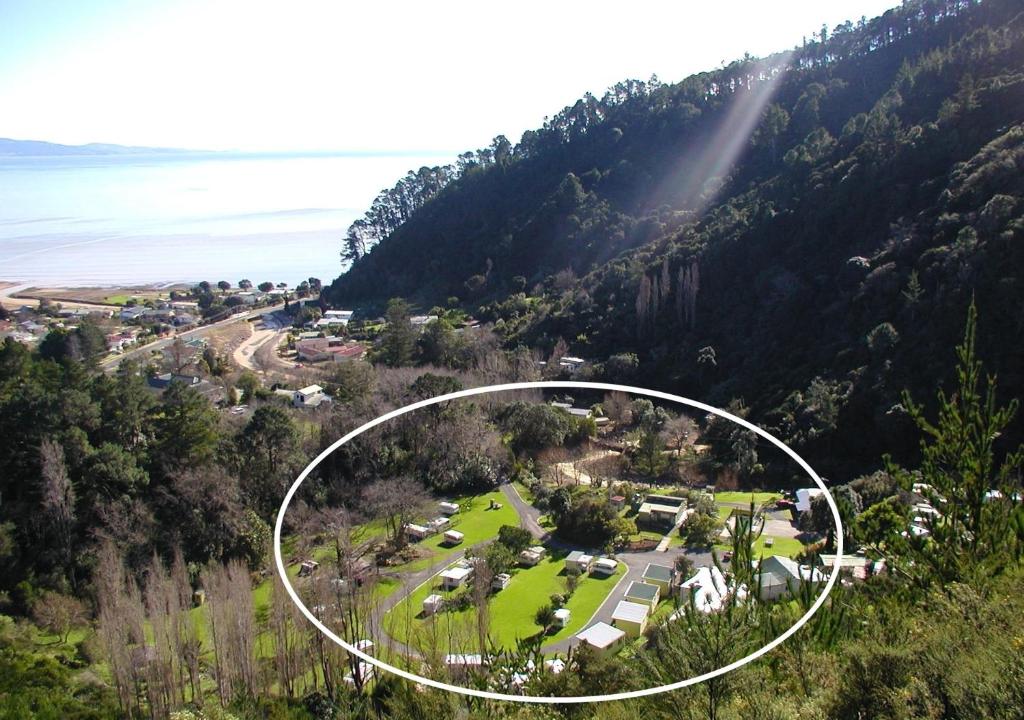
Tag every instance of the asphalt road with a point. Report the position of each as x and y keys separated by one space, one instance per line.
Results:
x=111 y=364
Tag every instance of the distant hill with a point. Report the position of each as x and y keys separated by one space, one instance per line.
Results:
x=38 y=148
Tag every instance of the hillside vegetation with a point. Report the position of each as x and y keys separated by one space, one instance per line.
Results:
x=800 y=233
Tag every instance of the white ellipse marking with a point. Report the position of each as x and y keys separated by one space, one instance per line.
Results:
x=832 y=578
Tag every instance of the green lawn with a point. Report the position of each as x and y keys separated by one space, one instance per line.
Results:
x=524 y=492
x=511 y=610
x=744 y=497
x=787 y=547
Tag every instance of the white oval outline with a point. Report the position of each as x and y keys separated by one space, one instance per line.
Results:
x=566 y=699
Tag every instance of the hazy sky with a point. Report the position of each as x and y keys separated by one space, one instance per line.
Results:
x=369 y=76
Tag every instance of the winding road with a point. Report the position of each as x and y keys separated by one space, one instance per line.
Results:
x=529 y=519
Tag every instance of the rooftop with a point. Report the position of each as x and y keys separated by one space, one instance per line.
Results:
x=630 y=611
x=600 y=635
x=642 y=590
x=658 y=572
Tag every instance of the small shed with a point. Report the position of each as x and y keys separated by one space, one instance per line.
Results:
x=432 y=604
x=643 y=593
x=448 y=508
x=579 y=561
x=562 y=616
x=605 y=566
x=602 y=637
x=501 y=581
x=660 y=575
x=438 y=524
x=416 y=532
x=631 y=617
x=453 y=537
x=617 y=501
x=453 y=577
x=308 y=567
x=529 y=557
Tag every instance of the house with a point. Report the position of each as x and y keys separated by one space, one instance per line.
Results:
x=602 y=637
x=579 y=561
x=432 y=604
x=454 y=576
x=779 y=576
x=421 y=320
x=130 y=314
x=416 y=532
x=804 y=497
x=338 y=316
x=856 y=566
x=617 y=502
x=310 y=396
x=644 y=594
x=572 y=364
x=631 y=617
x=661 y=510
x=501 y=581
x=460 y=664
x=448 y=508
x=247 y=297
x=530 y=557
x=308 y=567
x=162 y=381
x=660 y=575
x=334 y=349
x=562 y=616
x=605 y=566
x=453 y=537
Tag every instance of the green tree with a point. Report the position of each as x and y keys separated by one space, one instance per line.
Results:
x=515 y=538
x=187 y=428
x=398 y=340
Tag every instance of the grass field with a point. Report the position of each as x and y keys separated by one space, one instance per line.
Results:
x=511 y=610
x=744 y=497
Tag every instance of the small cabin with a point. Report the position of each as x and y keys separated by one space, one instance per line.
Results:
x=579 y=561
x=416 y=532
x=308 y=567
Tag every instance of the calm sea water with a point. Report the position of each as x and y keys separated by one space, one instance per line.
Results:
x=78 y=221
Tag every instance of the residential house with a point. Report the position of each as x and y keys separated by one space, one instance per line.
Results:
x=311 y=396
x=661 y=510
x=336 y=349
x=572 y=364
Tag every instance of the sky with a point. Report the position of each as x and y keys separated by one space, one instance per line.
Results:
x=395 y=77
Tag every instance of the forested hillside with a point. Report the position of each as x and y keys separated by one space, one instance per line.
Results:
x=800 y=233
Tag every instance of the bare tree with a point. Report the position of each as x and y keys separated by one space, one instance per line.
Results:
x=232 y=628
x=58 y=499
x=680 y=430
x=396 y=501
x=616 y=406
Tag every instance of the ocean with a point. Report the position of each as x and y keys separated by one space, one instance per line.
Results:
x=152 y=219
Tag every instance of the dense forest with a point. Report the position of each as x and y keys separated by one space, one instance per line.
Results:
x=799 y=234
